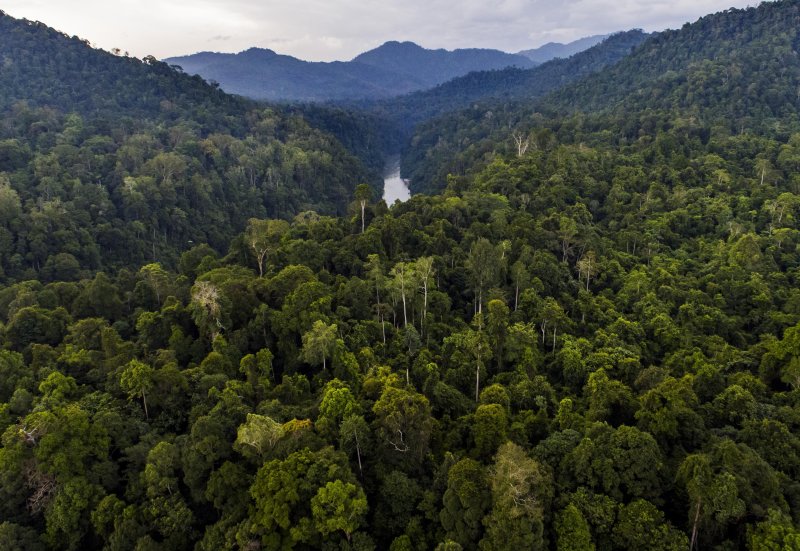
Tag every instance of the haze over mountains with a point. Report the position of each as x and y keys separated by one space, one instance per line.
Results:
x=552 y=50
x=510 y=83
x=392 y=69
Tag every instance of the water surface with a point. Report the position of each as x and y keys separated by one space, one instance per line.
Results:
x=394 y=187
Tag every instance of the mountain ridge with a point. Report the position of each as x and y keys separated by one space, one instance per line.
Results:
x=552 y=50
x=509 y=83
x=392 y=69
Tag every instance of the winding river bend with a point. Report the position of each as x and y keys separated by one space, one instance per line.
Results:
x=394 y=187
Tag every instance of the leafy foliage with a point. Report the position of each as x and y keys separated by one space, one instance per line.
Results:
x=588 y=344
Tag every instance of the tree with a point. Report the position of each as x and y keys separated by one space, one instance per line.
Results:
x=776 y=533
x=403 y=277
x=623 y=463
x=521 y=278
x=263 y=237
x=423 y=268
x=522 y=142
x=710 y=494
x=207 y=308
x=374 y=271
x=521 y=494
x=259 y=433
x=363 y=193
x=489 y=428
x=587 y=267
x=354 y=433
x=14 y=537
x=552 y=317
x=403 y=424
x=338 y=403
x=317 y=343
x=475 y=347
x=640 y=525
x=67 y=517
x=572 y=530
x=497 y=329
x=464 y=503
x=136 y=380
x=339 y=506
x=484 y=264
x=283 y=491
x=160 y=475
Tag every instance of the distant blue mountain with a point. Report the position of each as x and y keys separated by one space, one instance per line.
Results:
x=393 y=69
x=553 y=50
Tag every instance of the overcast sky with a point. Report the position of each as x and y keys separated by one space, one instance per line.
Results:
x=324 y=30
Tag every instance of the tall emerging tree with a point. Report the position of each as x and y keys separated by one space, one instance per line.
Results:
x=484 y=265
x=263 y=237
x=425 y=271
x=206 y=308
x=354 y=434
x=403 y=282
x=318 y=342
x=374 y=271
x=521 y=278
x=587 y=267
x=136 y=380
x=363 y=194
x=474 y=345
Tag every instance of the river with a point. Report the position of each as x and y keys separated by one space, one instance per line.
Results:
x=394 y=187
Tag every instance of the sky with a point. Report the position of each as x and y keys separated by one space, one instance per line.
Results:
x=326 y=30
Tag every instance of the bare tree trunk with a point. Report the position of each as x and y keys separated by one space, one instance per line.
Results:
x=694 y=526
x=144 y=402
x=363 y=204
x=588 y=273
x=358 y=454
x=261 y=256
x=424 y=306
x=477 y=380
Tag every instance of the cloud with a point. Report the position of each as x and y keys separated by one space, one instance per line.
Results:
x=340 y=29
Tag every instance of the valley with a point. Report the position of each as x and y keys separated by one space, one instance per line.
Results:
x=226 y=321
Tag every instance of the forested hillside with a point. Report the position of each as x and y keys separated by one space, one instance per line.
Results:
x=108 y=161
x=46 y=68
x=733 y=72
x=511 y=84
x=739 y=67
x=588 y=340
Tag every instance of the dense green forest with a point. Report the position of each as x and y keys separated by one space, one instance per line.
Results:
x=588 y=339
x=108 y=161
x=733 y=72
